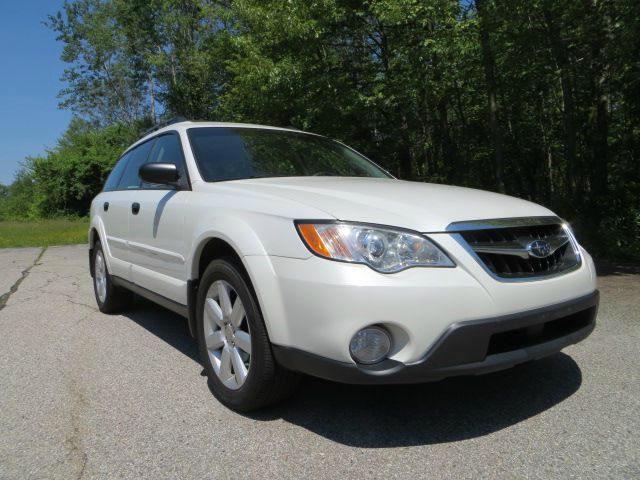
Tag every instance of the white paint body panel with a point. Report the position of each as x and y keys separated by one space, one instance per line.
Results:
x=311 y=303
x=114 y=231
x=317 y=305
x=423 y=207
x=157 y=243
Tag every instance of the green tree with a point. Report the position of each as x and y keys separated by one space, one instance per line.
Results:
x=536 y=98
x=103 y=83
x=18 y=200
x=73 y=172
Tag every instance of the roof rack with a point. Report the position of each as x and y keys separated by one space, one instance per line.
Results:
x=166 y=123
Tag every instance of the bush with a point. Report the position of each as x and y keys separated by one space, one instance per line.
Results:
x=64 y=181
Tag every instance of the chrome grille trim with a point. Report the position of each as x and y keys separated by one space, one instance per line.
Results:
x=505 y=255
x=517 y=249
x=503 y=223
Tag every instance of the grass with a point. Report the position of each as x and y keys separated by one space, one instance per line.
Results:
x=43 y=233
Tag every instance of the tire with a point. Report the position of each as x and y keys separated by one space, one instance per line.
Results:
x=246 y=377
x=110 y=298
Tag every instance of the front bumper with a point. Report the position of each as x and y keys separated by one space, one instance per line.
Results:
x=316 y=305
x=468 y=347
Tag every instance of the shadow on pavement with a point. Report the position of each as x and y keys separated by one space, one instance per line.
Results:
x=164 y=324
x=447 y=411
x=401 y=415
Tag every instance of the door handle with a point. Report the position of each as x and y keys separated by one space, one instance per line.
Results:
x=135 y=208
x=105 y=206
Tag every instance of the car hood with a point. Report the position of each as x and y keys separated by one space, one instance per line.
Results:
x=424 y=207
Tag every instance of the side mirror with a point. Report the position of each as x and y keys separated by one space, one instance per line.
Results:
x=159 y=173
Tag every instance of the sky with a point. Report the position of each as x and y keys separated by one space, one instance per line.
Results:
x=30 y=71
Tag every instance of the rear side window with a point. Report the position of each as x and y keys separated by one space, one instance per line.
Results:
x=167 y=149
x=130 y=179
x=116 y=173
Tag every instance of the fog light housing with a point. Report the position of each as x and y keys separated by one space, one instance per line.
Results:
x=370 y=345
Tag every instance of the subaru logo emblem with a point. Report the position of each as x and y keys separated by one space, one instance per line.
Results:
x=539 y=249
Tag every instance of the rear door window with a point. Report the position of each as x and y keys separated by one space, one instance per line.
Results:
x=139 y=155
x=114 y=177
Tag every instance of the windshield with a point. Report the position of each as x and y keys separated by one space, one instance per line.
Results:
x=237 y=153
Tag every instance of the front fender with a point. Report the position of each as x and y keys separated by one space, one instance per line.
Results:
x=242 y=238
x=98 y=225
x=245 y=240
x=251 y=236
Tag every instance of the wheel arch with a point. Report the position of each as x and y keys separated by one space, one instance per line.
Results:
x=209 y=249
x=93 y=236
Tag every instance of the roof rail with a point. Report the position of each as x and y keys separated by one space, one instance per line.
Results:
x=166 y=123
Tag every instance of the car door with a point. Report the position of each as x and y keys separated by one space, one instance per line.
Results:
x=112 y=206
x=119 y=208
x=156 y=227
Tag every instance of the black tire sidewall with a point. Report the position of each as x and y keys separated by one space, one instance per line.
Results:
x=98 y=249
x=115 y=297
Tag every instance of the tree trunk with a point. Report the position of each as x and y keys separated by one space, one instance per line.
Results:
x=601 y=140
x=463 y=157
x=561 y=57
x=489 y=63
x=152 y=95
x=449 y=151
x=404 y=152
x=599 y=170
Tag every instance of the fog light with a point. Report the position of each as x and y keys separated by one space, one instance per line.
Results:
x=370 y=345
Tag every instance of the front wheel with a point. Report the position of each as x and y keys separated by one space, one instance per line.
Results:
x=233 y=342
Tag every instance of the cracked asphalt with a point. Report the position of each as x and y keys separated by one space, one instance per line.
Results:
x=86 y=395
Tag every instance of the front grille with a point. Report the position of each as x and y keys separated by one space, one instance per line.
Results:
x=509 y=252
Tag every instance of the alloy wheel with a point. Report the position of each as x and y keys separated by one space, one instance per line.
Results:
x=100 y=276
x=227 y=334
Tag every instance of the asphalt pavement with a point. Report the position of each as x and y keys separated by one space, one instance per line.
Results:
x=87 y=395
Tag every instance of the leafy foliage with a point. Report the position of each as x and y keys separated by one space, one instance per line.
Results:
x=64 y=181
x=17 y=201
x=538 y=99
x=104 y=84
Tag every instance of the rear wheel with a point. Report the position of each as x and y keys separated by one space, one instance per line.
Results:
x=110 y=298
x=233 y=342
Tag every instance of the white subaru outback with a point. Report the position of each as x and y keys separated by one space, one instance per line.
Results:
x=291 y=253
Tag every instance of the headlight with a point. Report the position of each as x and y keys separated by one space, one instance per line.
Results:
x=572 y=237
x=383 y=249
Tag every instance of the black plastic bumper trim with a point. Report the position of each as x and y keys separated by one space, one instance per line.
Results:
x=165 y=302
x=461 y=349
